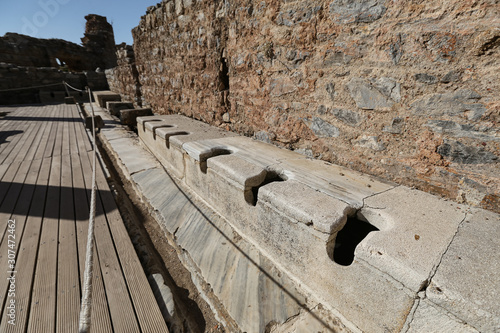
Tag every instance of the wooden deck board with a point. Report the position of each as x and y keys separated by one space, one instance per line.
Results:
x=45 y=140
x=100 y=319
x=43 y=305
x=19 y=214
x=68 y=281
x=152 y=320
x=120 y=305
x=14 y=130
x=45 y=174
x=27 y=253
x=16 y=146
x=100 y=316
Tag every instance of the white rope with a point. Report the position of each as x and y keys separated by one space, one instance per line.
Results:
x=68 y=85
x=85 y=310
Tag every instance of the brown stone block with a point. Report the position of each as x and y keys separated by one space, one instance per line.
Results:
x=129 y=117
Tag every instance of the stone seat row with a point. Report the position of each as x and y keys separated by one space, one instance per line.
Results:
x=408 y=264
x=301 y=213
x=123 y=110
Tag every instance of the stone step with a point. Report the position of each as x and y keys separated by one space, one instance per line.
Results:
x=115 y=107
x=103 y=96
x=129 y=116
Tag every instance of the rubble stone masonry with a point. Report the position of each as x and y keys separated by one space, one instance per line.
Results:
x=124 y=77
x=404 y=90
x=97 y=49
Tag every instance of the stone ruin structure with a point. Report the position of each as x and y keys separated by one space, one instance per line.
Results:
x=124 y=78
x=400 y=96
x=26 y=61
x=404 y=91
x=97 y=49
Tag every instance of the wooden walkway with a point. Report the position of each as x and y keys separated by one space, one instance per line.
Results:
x=45 y=173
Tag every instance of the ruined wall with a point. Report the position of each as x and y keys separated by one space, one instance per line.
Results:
x=99 y=40
x=97 y=49
x=47 y=82
x=404 y=90
x=124 y=78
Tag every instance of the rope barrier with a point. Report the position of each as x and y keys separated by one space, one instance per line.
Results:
x=66 y=88
x=86 y=305
x=68 y=85
x=34 y=87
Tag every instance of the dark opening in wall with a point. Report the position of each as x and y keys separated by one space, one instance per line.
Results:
x=271 y=177
x=223 y=75
x=354 y=231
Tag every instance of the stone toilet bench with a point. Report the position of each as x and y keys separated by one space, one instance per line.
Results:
x=367 y=248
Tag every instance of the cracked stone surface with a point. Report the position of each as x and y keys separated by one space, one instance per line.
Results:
x=415 y=230
x=467 y=281
x=421 y=237
x=430 y=318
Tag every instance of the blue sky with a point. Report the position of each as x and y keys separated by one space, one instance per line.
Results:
x=64 y=19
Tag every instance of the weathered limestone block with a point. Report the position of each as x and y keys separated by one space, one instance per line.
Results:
x=356 y=290
x=466 y=282
x=430 y=318
x=307 y=205
x=336 y=181
x=317 y=320
x=418 y=222
x=228 y=187
x=166 y=135
x=294 y=209
x=115 y=107
x=169 y=156
x=241 y=278
x=101 y=97
x=129 y=116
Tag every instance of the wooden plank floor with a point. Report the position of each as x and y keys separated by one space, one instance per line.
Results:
x=45 y=181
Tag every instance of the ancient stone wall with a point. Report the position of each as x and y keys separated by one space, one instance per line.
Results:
x=47 y=83
x=97 y=49
x=124 y=78
x=99 y=40
x=404 y=90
